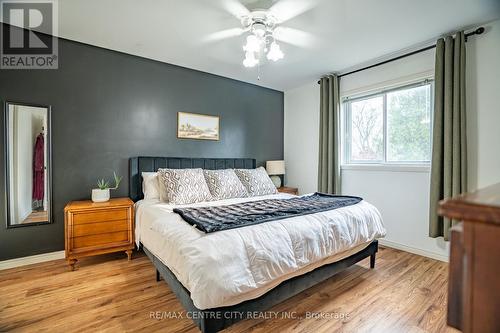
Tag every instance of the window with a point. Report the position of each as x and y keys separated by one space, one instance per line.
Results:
x=390 y=127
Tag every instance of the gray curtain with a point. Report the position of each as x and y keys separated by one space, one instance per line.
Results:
x=449 y=147
x=329 y=136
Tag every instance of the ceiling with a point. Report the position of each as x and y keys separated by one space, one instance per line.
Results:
x=326 y=35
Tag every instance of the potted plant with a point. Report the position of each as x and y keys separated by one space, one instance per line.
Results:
x=101 y=194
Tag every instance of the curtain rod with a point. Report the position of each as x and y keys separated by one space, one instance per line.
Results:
x=478 y=31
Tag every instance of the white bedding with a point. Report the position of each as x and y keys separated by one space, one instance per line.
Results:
x=228 y=267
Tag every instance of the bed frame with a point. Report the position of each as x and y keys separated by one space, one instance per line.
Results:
x=214 y=320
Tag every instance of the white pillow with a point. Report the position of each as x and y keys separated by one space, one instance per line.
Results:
x=150 y=185
x=256 y=181
x=224 y=184
x=183 y=186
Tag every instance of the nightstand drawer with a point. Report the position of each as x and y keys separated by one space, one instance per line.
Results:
x=99 y=227
x=100 y=239
x=93 y=228
x=99 y=216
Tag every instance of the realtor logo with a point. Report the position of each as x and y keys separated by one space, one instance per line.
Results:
x=26 y=31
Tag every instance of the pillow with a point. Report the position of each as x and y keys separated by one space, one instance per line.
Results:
x=256 y=181
x=184 y=186
x=150 y=185
x=224 y=184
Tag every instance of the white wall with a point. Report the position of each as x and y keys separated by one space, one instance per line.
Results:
x=483 y=107
x=302 y=137
x=402 y=196
x=403 y=200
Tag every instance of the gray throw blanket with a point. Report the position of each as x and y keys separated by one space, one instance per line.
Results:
x=212 y=219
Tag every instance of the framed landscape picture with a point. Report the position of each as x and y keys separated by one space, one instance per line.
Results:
x=197 y=126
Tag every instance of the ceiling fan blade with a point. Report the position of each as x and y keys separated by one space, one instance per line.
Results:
x=223 y=34
x=285 y=10
x=235 y=8
x=294 y=37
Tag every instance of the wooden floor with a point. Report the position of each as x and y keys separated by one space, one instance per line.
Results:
x=37 y=216
x=404 y=293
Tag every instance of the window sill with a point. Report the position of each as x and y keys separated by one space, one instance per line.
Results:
x=388 y=167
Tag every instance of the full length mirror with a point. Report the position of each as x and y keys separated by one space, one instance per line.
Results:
x=28 y=181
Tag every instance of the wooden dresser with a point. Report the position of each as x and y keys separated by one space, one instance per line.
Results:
x=97 y=228
x=289 y=190
x=474 y=272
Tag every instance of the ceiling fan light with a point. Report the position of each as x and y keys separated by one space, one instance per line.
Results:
x=275 y=52
x=260 y=24
x=250 y=60
x=252 y=45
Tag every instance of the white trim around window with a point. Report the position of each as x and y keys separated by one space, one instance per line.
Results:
x=384 y=162
x=425 y=168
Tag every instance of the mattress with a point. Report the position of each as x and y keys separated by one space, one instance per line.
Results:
x=228 y=267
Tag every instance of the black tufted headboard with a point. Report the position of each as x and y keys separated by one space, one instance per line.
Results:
x=151 y=164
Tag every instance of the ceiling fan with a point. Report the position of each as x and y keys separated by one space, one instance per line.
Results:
x=264 y=28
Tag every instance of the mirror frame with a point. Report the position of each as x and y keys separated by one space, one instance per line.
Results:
x=7 y=155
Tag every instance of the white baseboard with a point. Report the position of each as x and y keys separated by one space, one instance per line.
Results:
x=17 y=262
x=414 y=250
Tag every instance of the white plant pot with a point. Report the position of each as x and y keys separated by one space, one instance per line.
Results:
x=99 y=195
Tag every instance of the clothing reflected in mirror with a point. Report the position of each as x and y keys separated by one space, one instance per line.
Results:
x=28 y=183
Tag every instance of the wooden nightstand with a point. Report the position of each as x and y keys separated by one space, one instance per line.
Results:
x=289 y=190
x=97 y=228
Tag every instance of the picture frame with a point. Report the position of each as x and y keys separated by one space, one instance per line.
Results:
x=198 y=126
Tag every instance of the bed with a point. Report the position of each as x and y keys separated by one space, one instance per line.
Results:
x=222 y=277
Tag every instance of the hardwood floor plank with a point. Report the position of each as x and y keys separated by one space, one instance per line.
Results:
x=404 y=293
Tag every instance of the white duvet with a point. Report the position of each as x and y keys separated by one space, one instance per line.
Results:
x=228 y=267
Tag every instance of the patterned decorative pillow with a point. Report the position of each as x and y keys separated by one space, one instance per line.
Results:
x=184 y=186
x=256 y=181
x=224 y=184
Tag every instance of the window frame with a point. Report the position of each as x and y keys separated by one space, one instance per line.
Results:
x=347 y=126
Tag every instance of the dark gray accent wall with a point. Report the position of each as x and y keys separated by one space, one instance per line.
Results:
x=108 y=106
